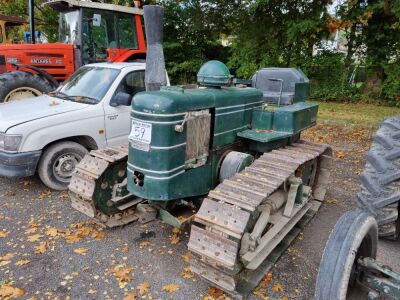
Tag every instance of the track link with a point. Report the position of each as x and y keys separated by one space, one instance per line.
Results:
x=94 y=185
x=230 y=211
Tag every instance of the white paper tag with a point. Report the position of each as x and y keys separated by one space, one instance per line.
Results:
x=140 y=136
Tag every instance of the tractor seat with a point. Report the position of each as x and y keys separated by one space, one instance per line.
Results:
x=271 y=80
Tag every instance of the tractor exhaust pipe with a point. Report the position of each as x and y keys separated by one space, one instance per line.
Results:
x=155 y=76
x=32 y=20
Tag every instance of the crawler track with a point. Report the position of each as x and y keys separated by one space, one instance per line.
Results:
x=96 y=187
x=230 y=211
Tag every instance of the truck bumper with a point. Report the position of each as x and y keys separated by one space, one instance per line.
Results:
x=19 y=164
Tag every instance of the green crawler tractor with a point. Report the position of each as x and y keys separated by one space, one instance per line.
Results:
x=229 y=153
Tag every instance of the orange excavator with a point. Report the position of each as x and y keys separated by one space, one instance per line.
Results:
x=89 y=32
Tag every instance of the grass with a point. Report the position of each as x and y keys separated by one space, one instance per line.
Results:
x=354 y=113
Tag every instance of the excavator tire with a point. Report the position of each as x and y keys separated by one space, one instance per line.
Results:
x=18 y=85
x=380 y=180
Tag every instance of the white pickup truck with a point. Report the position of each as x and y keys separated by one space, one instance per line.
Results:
x=50 y=134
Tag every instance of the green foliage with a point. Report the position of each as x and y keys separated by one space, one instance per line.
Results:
x=328 y=76
x=280 y=33
x=391 y=85
x=46 y=19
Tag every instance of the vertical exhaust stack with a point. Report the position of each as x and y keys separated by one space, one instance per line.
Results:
x=155 y=76
x=32 y=21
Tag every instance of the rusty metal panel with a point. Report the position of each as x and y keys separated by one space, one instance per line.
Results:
x=197 y=134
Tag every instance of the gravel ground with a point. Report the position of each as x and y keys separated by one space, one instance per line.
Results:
x=50 y=251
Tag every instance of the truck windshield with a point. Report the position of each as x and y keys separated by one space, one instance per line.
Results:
x=88 y=85
x=69 y=27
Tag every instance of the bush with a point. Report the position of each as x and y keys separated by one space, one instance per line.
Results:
x=391 y=84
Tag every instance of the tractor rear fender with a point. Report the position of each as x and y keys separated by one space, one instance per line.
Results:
x=40 y=72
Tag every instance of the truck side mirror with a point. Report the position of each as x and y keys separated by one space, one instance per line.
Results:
x=121 y=98
x=96 y=20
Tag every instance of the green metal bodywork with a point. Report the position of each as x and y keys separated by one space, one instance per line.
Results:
x=239 y=121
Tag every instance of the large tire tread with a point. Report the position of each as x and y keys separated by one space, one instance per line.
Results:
x=12 y=80
x=380 y=180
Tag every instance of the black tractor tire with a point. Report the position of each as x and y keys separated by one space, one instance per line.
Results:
x=380 y=180
x=16 y=81
x=355 y=235
x=58 y=162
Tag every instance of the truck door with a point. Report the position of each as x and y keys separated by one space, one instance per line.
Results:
x=117 y=119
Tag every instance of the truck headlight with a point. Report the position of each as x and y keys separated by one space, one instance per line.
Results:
x=10 y=142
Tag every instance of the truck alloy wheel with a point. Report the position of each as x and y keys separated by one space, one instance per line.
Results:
x=58 y=163
x=64 y=166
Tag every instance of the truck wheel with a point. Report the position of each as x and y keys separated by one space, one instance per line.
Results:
x=18 y=85
x=58 y=163
x=355 y=235
x=380 y=180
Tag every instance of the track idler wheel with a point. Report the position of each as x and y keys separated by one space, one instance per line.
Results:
x=354 y=236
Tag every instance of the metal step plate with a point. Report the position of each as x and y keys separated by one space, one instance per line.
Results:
x=92 y=166
x=214 y=246
x=82 y=185
x=82 y=206
x=225 y=217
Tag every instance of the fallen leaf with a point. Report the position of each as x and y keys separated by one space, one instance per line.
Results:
x=186 y=257
x=41 y=248
x=144 y=244
x=7 y=291
x=174 y=239
x=170 y=288
x=176 y=230
x=122 y=273
x=4 y=263
x=215 y=292
x=3 y=234
x=125 y=249
x=52 y=231
x=143 y=288
x=27 y=182
x=340 y=154
x=22 y=262
x=187 y=273
x=91 y=291
x=34 y=238
x=277 y=287
x=8 y=256
x=99 y=235
x=261 y=294
x=266 y=280
x=81 y=251
x=130 y=296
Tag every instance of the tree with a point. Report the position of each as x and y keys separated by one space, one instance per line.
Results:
x=45 y=18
